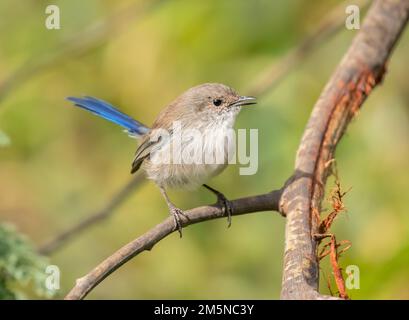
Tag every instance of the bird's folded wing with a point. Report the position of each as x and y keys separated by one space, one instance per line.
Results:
x=143 y=152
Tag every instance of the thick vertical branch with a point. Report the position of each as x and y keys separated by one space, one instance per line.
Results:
x=360 y=70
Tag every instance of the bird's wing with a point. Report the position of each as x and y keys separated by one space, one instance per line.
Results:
x=142 y=153
x=151 y=143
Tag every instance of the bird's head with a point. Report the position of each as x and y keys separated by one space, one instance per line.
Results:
x=204 y=105
x=216 y=97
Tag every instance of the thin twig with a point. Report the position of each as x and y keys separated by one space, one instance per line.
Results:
x=264 y=202
x=339 y=279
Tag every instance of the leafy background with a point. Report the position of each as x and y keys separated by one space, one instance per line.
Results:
x=58 y=164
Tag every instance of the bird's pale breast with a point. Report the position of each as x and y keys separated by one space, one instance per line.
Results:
x=190 y=160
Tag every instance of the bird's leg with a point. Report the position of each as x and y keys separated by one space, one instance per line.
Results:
x=174 y=211
x=222 y=200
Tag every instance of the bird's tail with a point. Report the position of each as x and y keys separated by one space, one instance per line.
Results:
x=107 y=111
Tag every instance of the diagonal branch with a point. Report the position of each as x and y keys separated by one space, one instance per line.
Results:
x=264 y=202
x=361 y=69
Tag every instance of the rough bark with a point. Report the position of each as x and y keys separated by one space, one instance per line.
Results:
x=360 y=70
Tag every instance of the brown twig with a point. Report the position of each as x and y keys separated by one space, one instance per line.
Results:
x=339 y=279
x=337 y=204
x=361 y=69
x=264 y=202
x=331 y=248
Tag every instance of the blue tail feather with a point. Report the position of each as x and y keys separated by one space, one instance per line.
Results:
x=107 y=111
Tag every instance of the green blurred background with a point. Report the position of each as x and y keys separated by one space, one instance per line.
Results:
x=59 y=163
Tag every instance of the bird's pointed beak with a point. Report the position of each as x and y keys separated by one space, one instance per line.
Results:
x=245 y=101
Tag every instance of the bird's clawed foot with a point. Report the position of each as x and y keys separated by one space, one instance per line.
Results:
x=227 y=206
x=224 y=202
x=177 y=213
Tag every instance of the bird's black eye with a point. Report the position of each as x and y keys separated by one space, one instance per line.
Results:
x=217 y=102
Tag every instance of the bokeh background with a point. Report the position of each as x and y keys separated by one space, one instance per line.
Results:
x=58 y=164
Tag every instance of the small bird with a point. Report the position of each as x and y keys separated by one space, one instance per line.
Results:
x=209 y=110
